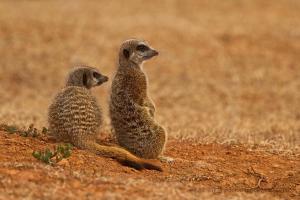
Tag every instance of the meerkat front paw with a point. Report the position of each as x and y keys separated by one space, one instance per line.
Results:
x=151 y=112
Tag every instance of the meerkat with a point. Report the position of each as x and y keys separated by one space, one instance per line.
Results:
x=131 y=109
x=75 y=117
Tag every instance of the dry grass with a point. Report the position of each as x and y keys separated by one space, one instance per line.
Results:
x=228 y=70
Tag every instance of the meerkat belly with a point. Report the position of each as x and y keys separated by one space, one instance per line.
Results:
x=125 y=114
x=74 y=112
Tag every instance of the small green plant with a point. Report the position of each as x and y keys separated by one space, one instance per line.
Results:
x=31 y=131
x=64 y=150
x=44 y=156
x=44 y=130
x=53 y=157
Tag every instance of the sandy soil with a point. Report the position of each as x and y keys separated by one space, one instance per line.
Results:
x=207 y=171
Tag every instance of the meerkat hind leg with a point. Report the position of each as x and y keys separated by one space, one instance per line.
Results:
x=166 y=159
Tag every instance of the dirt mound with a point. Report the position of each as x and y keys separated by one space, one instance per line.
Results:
x=207 y=171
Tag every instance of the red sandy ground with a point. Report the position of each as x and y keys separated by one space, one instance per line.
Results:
x=199 y=170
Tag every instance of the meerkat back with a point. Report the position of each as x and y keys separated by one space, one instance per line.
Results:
x=74 y=114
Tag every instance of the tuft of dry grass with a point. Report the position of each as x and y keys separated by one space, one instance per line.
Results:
x=25 y=132
x=228 y=71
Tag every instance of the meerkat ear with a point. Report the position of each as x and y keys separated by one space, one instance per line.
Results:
x=84 y=79
x=126 y=53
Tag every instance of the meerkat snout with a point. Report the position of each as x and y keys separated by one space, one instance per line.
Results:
x=99 y=78
x=145 y=51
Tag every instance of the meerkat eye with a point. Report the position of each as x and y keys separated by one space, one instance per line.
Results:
x=96 y=75
x=142 y=48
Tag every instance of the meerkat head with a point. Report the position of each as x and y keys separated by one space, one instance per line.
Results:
x=136 y=51
x=87 y=77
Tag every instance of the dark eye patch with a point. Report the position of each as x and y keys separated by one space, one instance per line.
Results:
x=126 y=53
x=84 y=79
x=142 y=48
x=96 y=75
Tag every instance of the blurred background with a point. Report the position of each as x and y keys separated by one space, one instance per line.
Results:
x=228 y=71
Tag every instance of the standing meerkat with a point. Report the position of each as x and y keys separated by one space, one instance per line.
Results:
x=131 y=109
x=74 y=116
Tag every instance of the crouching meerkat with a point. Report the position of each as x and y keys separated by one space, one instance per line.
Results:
x=131 y=109
x=74 y=116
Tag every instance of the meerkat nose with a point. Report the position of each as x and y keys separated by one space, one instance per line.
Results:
x=155 y=53
x=105 y=78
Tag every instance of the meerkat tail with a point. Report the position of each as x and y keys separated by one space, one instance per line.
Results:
x=122 y=156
